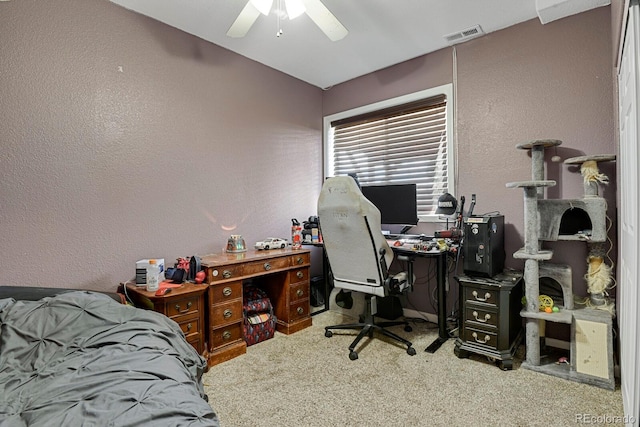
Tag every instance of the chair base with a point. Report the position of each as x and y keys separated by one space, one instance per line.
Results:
x=367 y=328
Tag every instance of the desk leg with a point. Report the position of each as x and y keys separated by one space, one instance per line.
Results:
x=441 y=277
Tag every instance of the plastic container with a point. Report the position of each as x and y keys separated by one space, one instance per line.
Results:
x=153 y=275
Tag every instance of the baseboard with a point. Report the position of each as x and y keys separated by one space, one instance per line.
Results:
x=407 y=312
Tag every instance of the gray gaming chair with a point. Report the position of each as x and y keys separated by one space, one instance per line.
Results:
x=359 y=255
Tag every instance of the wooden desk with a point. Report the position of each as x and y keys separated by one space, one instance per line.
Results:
x=282 y=273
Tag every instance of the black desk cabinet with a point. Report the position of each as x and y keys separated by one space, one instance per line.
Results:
x=490 y=322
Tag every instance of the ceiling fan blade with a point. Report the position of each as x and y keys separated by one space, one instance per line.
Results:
x=244 y=21
x=324 y=19
x=294 y=8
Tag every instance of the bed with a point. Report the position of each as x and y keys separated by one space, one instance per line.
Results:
x=82 y=358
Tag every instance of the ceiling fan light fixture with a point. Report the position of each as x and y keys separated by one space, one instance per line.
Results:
x=294 y=8
x=263 y=6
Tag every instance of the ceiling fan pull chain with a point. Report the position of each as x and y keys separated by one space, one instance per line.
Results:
x=279 y=11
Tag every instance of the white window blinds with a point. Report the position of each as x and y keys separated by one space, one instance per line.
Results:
x=401 y=144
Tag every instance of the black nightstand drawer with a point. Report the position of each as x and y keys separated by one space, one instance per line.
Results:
x=482 y=295
x=476 y=336
x=478 y=316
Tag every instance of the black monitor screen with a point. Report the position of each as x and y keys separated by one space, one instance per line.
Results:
x=396 y=202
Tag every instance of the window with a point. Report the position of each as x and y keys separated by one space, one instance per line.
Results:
x=403 y=140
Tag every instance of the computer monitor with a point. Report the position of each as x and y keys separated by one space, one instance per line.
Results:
x=397 y=202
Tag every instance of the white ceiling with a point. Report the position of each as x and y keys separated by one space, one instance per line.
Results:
x=381 y=32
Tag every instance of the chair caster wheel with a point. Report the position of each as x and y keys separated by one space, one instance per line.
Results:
x=353 y=355
x=408 y=328
x=328 y=334
x=411 y=351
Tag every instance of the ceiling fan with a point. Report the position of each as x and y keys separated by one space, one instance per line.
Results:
x=315 y=9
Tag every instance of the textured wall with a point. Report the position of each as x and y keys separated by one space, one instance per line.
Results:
x=529 y=81
x=123 y=138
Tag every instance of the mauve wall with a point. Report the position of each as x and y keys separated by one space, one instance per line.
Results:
x=529 y=81
x=123 y=138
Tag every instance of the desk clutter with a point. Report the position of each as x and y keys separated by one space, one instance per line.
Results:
x=422 y=244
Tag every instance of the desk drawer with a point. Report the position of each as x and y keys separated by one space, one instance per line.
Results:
x=184 y=306
x=259 y=267
x=189 y=326
x=226 y=335
x=225 y=291
x=299 y=291
x=217 y=274
x=228 y=312
x=299 y=259
x=298 y=310
x=299 y=275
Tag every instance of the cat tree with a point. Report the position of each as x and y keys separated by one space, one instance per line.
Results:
x=591 y=349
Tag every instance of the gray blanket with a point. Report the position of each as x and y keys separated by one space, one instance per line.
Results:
x=81 y=359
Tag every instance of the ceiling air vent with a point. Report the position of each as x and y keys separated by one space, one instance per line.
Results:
x=464 y=35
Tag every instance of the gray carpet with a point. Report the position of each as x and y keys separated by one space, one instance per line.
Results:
x=306 y=379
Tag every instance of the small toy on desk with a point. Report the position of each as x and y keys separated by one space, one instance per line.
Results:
x=271 y=243
x=200 y=276
x=162 y=291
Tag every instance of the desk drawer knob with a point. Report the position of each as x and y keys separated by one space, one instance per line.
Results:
x=486 y=338
x=226 y=291
x=226 y=335
x=300 y=310
x=267 y=266
x=486 y=296
x=299 y=292
x=299 y=260
x=300 y=274
x=227 y=313
x=487 y=316
x=189 y=326
x=226 y=274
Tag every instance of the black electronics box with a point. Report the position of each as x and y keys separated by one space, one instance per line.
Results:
x=483 y=246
